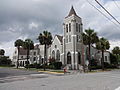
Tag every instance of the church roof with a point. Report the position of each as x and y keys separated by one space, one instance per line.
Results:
x=22 y=51
x=60 y=38
x=72 y=12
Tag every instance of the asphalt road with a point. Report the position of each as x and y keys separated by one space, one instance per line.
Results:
x=89 y=81
x=7 y=72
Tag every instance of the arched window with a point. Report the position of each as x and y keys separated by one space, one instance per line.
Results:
x=53 y=54
x=79 y=58
x=68 y=58
x=58 y=55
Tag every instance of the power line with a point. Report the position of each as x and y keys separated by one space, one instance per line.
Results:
x=102 y=13
x=108 y=12
x=116 y=4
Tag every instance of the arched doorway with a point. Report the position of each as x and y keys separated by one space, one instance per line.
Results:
x=79 y=58
x=68 y=58
x=58 y=55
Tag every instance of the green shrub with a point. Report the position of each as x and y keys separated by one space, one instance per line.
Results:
x=96 y=67
x=35 y=65
x=57 y=65
x=107 y=65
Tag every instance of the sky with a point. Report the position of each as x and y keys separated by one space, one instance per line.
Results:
x=22 y=19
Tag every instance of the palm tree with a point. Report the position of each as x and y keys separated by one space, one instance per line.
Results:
x=2 y=51
x=28 y=45
x=116 y=52
x=45 y=38
x=17 y=44
x=103 y=45
x=89 y=37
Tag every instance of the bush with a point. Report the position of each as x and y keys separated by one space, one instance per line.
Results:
x=57 y=65
x=5 y=61
x=96 y=67
x=107 y=65
x=35 y=65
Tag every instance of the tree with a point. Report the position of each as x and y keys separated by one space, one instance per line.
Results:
x=2 y=52
x=28 y=45
x=89 y=37
x=45 y=38
x=116 y=52
x=113 y=59
x=18 y=43
x=5 y=61
x=103 y=45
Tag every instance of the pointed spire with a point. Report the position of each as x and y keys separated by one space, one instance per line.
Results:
x=72 y=11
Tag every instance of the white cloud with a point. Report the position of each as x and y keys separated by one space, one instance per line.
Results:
x=31 y=17
x=33 y=25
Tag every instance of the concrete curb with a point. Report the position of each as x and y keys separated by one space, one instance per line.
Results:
x=50 y=72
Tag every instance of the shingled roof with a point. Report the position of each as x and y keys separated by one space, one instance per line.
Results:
x=22 y=51
x=60 y=38
x=72 y=12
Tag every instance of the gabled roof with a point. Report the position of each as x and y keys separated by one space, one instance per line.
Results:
x=36 y=46
x=22 y=51
x=60 y=38
x=72 y=12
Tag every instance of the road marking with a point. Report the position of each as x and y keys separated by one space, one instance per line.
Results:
x=117 y=88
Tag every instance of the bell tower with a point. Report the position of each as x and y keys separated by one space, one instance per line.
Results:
x=72 y=29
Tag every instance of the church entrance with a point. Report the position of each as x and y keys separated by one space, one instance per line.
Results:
x=79 y=58
x=68 y=58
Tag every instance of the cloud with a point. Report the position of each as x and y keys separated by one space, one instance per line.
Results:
x=27 y=18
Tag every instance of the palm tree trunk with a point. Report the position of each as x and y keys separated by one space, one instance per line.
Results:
x=102 y=60
x=89 y=66
x=18 y=56
x=45 y=56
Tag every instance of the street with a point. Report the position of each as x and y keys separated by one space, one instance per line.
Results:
x=89 y=81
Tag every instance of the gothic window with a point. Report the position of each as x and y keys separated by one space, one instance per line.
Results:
x=55 y=46
x=69 y=27
x=79 y=27
x=66 y=27
x=105 y=58
x=68 y=58
x=34 y=53
x=76 y=27
x=34 y=59
x=69 y=38
x=53 y=54
x=58 y=55
x=66 y=39
x=79 y=58
x=77 y=38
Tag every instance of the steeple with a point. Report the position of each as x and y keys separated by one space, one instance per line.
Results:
x=72 y=12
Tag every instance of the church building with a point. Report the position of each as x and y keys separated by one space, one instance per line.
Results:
x=69 y=48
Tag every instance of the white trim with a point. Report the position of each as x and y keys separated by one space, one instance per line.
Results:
x=73 y=35
x=73 y=52
x=62 y=54
x=58 y=40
